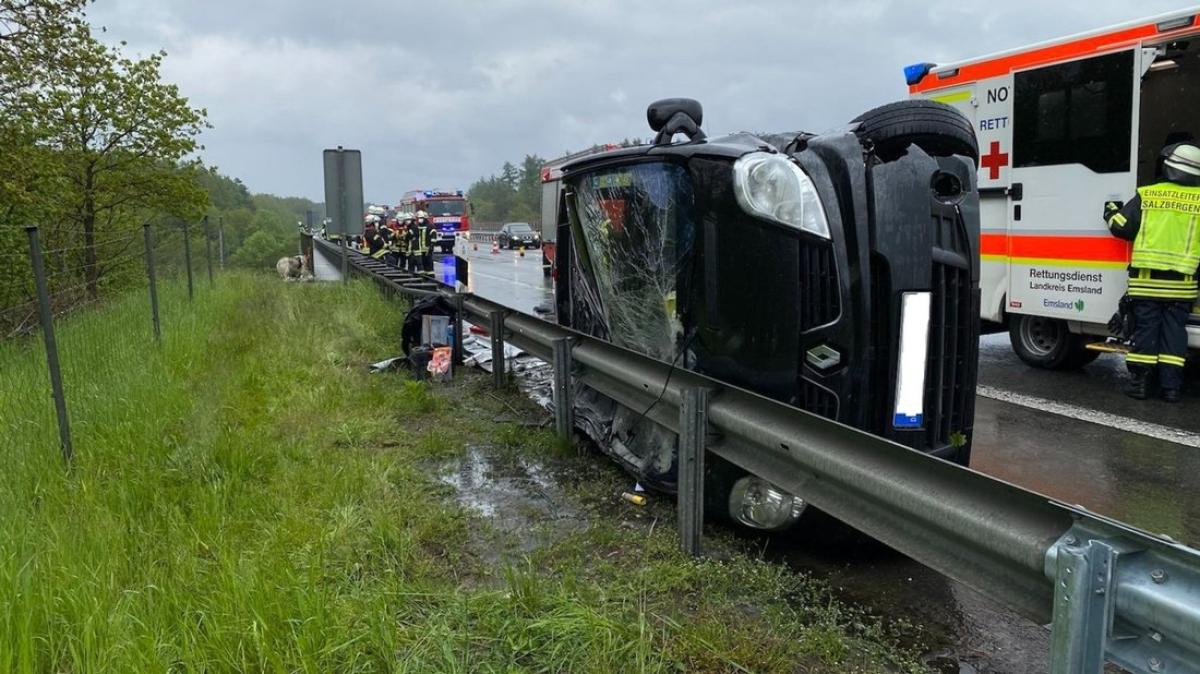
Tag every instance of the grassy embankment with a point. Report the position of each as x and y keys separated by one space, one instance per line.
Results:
x=248 y=498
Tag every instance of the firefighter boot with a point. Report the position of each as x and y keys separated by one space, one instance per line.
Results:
x=1171 y=395
x=1136 y=388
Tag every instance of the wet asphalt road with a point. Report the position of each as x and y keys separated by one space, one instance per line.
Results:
x=1070 y=435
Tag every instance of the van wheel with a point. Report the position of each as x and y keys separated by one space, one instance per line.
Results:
x=936 y=128
x=1047 y=343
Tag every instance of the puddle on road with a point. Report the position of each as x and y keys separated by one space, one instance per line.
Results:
x=518 y=495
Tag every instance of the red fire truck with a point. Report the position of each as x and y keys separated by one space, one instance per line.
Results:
x=448 y=210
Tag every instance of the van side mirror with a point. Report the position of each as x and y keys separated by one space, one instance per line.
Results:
x=670 y=116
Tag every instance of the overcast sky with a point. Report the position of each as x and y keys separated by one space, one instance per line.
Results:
x=436 y=94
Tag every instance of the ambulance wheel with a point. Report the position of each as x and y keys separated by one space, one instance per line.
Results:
x=1047 y=343
x=936 y=128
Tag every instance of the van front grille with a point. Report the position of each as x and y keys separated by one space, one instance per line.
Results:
x=819 y=299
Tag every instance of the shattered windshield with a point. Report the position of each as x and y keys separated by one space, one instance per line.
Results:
x=636 y=222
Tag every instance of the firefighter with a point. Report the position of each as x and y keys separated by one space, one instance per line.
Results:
x=1161 y=221
x=405 y=242
x=418 y=243
x=391 y=244
x=373 y=239
x=425 y=238
x=379 y=244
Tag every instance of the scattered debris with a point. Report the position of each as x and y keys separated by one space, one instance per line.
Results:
x=635 y=499
x=388 y=364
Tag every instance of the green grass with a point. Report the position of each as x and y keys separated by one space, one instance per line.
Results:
x=247 y=498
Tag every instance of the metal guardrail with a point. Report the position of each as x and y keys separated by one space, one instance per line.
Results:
x=1110 y=592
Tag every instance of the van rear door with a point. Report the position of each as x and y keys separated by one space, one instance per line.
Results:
x=1073 y=149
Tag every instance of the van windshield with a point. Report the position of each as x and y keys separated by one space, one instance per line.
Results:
x=635 y=222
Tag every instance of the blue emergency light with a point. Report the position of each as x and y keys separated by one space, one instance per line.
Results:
x=916 y=72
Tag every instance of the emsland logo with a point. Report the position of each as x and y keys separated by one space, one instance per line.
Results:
x=1079 y=305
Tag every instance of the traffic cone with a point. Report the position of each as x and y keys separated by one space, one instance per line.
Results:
x=495 y=248
x=521 y=251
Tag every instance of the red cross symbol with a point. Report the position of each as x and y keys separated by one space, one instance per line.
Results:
x=994 y=160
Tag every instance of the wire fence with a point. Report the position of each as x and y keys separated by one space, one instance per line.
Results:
x=77 y=314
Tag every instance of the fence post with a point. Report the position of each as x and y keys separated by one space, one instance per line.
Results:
x=47 y=317
x=564 y=399
x=497 y=330
x=208 y=251
x=153 y=280
x=187 y=257
x=221 y=239
x=693 y=428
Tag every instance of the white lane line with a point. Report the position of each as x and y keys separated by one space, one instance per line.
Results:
x=1127 y=424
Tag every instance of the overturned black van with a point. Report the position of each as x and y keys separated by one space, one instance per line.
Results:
x=836 y=272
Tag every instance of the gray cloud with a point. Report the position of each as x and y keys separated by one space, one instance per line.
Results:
x=437 y=94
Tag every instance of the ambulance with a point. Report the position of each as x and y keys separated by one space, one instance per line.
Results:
x=1063 y=127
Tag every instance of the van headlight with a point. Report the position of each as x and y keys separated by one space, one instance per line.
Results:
x=772 y=186
x=759 y=504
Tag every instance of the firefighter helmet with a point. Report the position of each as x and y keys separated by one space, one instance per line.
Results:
x=1182 y=163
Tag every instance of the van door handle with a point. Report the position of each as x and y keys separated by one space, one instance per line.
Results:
x=1017 y=191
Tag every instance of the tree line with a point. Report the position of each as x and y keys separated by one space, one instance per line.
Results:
x=94 y=143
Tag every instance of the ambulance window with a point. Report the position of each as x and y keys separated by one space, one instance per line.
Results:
x=1075 y=113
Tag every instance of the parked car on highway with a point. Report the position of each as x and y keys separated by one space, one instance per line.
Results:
x=514 y=234
x=837 y=272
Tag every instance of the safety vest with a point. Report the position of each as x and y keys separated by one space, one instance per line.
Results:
x=1169 y=236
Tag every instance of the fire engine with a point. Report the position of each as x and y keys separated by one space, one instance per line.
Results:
x=552 y=172
x=448 y=210
x=1063 y=127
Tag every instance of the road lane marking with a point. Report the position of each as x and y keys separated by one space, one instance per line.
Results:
x=1126 y=424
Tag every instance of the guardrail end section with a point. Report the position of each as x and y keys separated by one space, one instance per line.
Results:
x=1123 y=596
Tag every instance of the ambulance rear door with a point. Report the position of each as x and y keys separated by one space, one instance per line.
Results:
x=1072 y=149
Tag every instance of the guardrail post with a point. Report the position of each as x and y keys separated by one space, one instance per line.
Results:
x=459 y=323
x=47 y=317
x=153 y=281
x=187 y=257
x=1082 y=607
x=345 y=260
x=564 y=399
x=693 y=431
x=497 y=329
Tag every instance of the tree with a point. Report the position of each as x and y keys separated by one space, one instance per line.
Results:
x=510 y=176
x=124 y=139
x=30 y=34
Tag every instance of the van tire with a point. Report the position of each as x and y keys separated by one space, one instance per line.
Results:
x=1047 y=343
x=936 y=128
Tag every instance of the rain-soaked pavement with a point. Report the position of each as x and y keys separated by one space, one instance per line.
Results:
x=1071 y=436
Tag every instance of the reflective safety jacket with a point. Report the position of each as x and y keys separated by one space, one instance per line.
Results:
x=398 y=242
x=419 y=237
x=1162 y=222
